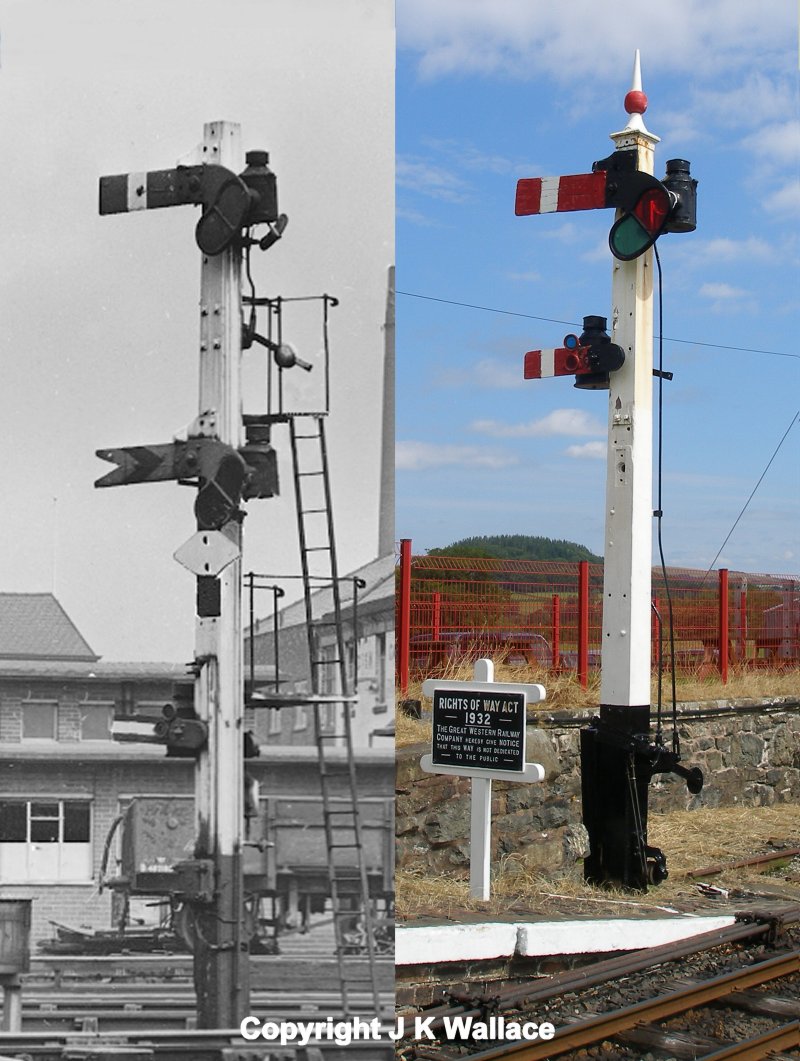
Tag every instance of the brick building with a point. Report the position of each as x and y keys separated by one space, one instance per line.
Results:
x=370 y=648
x=64 y=780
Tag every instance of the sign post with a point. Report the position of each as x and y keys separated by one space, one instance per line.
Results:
x=479 y=732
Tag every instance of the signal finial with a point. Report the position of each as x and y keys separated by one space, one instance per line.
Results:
x=636 y=101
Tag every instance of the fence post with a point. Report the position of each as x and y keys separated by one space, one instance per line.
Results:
x=723 y=624
x=556 y=639
x=583 y=622
x=404 y=617
x=436 y=631
x=655 y=633
x=743 y=626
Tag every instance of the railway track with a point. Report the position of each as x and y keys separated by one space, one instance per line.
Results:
x=215 y=1045
x=108 y=1009
x=666 y=1001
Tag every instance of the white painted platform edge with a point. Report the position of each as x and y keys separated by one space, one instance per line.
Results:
x=592 y=937
x=431 y=944
x=434 y=944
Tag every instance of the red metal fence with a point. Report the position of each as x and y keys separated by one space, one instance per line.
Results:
x=550 y=614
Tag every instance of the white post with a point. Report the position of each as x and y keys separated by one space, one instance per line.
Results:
x=221 y=971
x=480 y=835
x=625 y=675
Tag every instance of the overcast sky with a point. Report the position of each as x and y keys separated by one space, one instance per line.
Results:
x=100 y=320
x=491 y=92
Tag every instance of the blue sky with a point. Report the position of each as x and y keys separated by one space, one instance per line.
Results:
x=490 y=92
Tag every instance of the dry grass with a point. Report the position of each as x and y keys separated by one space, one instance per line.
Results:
x=565 y=693
x=691 y=840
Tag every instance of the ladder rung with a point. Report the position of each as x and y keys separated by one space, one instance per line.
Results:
x=312 y=511
x=323 y=662
x=306 y=475
x=308 y=436
x=354 y=844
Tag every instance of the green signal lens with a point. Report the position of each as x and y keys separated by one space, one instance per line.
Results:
x=628 y=238
x=638 y=230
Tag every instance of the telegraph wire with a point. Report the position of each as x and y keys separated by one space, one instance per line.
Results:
x=573 y=324
x=752 y=493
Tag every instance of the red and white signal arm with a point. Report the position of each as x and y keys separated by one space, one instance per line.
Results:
x=547 y=195
x=560 y=361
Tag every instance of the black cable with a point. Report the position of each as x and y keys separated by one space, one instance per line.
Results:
x=659 y=514
x=572 y=324
x=752 y=494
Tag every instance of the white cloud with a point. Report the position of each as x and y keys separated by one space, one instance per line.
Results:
x=429 y=179
x=777 y=143
x=415 y=217
x=519 y=39
x=592 y=450
x=722 y=292
x=469 y=156
x=786 y=200
x=524 y=276
x=566 y=232
x=731 y=250
x=415 y=456
x=558 y=422
x=750 y=102
x=489 y=372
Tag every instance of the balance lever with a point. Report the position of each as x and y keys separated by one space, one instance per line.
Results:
x=284 y=353
x=692 y=775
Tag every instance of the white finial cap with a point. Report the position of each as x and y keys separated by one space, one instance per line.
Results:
x=636 y=101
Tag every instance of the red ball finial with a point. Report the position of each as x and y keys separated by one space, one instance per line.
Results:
x=636 y=102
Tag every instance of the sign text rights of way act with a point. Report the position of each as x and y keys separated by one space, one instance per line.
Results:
x=479 y=732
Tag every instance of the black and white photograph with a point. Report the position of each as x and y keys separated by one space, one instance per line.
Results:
x=197 y=572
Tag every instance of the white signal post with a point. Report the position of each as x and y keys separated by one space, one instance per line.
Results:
x=625 y=675
x=221 y=966
x=481 y=796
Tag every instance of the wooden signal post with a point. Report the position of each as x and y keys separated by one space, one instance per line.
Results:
x=618 y=758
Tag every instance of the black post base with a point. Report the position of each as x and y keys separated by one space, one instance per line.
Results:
x=615 y=774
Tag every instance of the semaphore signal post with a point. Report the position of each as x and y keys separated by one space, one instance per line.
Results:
x=618 y=758
x=210 y=884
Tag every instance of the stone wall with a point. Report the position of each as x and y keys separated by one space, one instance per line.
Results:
x=749 y=754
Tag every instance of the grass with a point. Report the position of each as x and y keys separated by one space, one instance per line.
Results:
x=565 y=693
x=691 y=840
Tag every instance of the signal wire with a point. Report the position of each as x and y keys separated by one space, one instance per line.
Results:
x=572 y=324
x=752 y=493
x=659 y=514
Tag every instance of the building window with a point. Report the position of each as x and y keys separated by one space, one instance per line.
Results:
x=274 y=720
x=45 y=840
x=39 y=719
x=300 y=717
x=96 y=719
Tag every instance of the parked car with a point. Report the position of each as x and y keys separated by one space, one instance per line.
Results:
x=516 y=647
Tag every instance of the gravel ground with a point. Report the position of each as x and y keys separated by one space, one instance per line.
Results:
x=716 y=1024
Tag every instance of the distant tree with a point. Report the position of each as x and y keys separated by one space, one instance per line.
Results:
x=518 y=547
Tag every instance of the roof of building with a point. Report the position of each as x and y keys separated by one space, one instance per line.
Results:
x=91 y=670
x=111 y=671
x=34 y=626
x=377 y=595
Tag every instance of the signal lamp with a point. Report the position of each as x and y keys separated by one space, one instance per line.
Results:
x=638 y=229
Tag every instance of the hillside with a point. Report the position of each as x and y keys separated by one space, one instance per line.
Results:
x=518 y=547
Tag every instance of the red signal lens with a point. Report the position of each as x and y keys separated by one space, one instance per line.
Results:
x=652 y=209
